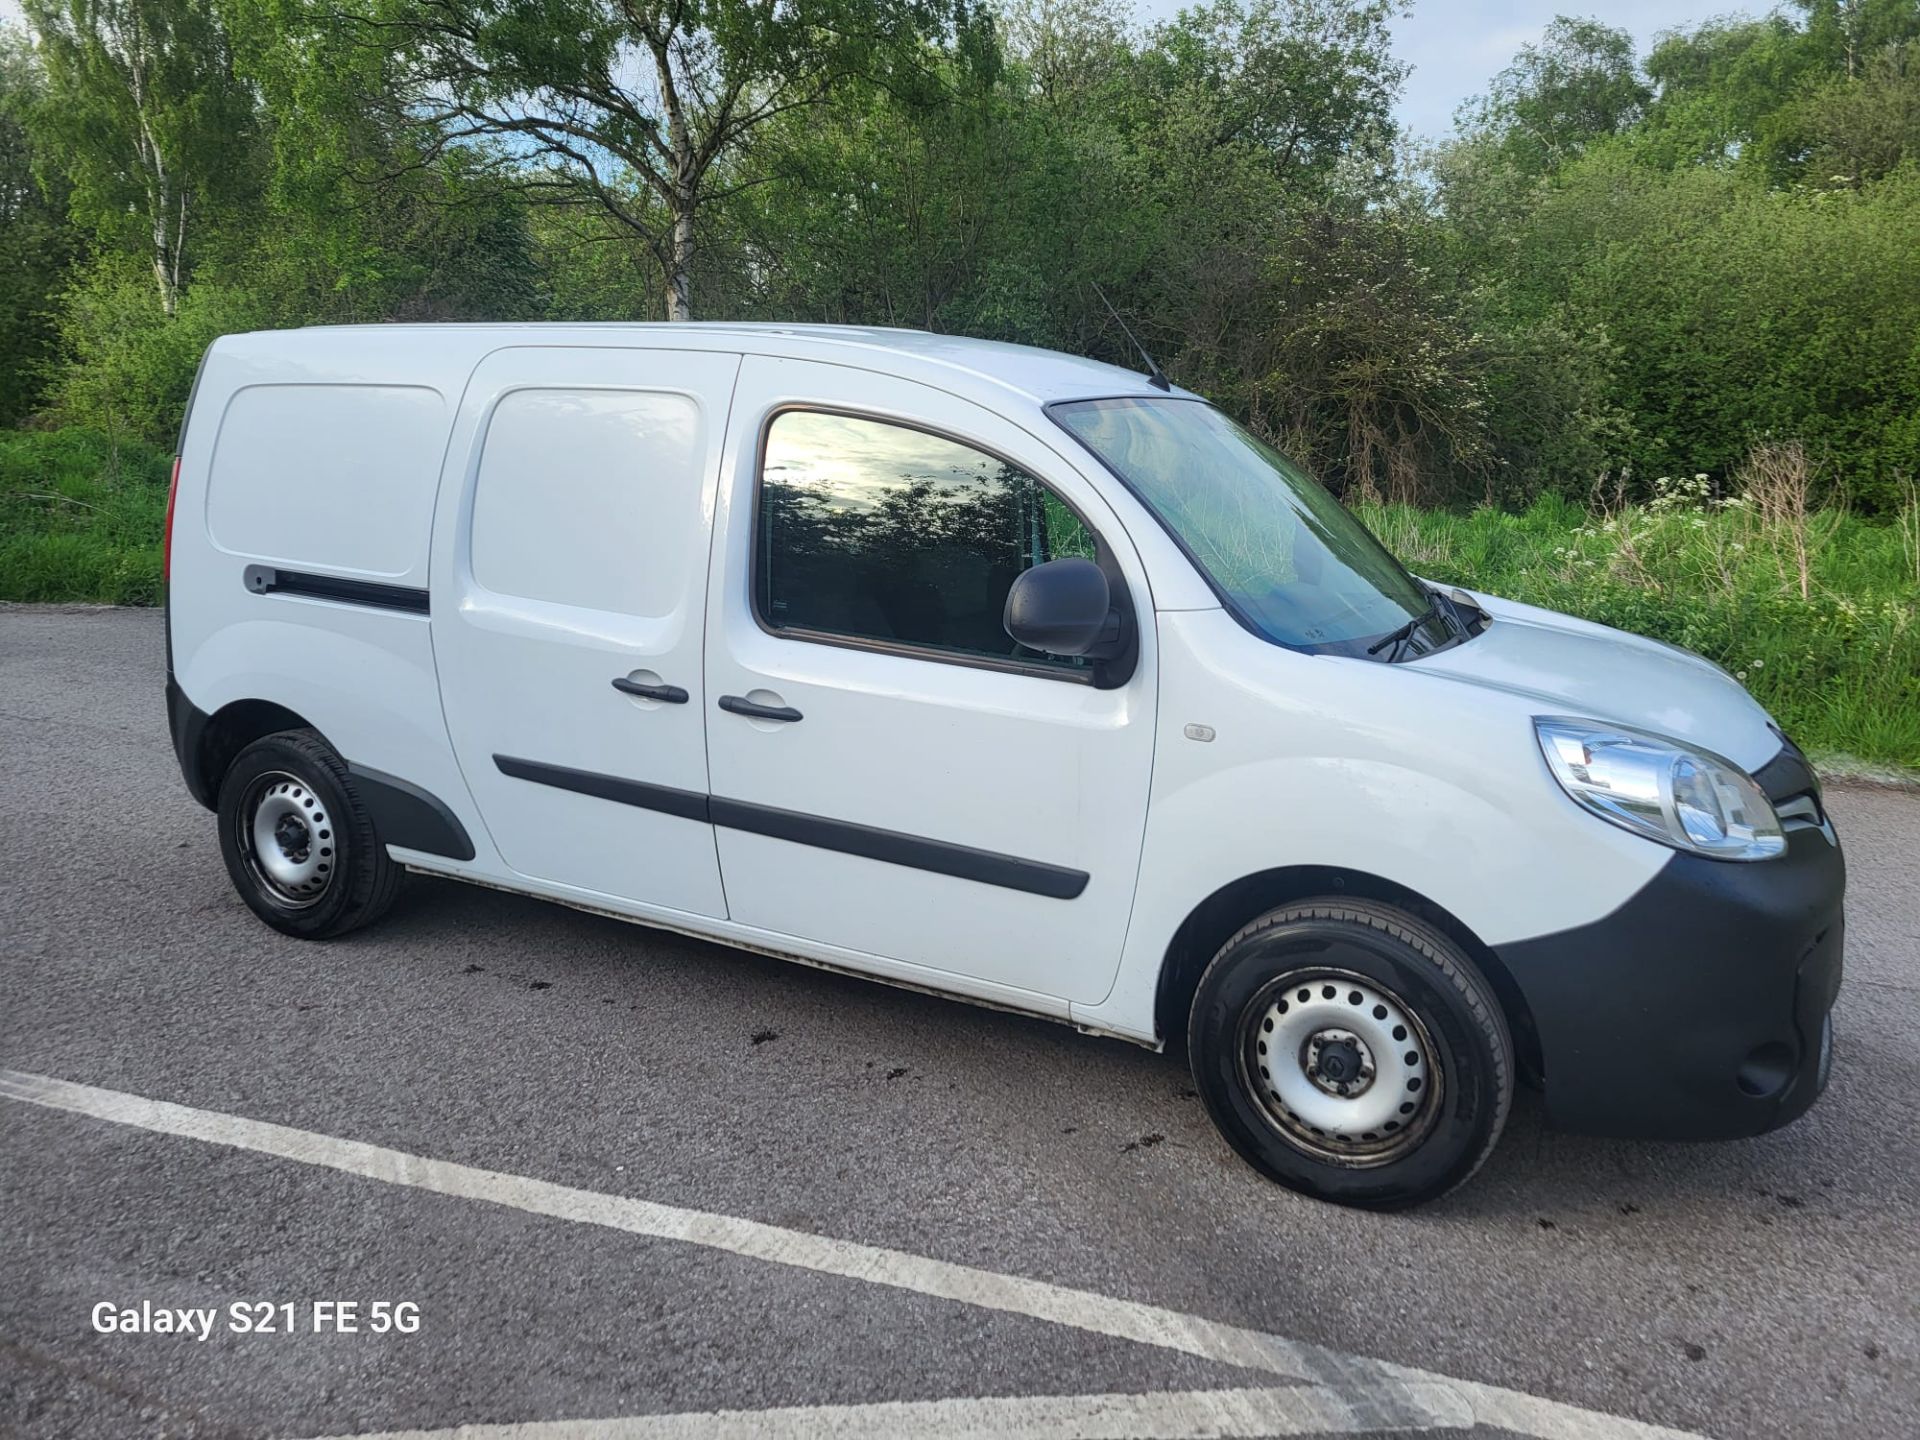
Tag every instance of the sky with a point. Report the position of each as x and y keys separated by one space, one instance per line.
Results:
x=1456 y=46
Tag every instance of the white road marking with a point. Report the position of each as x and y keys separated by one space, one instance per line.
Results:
x=1371 y=1388
x=1164 y=1414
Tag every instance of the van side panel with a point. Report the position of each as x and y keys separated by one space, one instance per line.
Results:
x=336 y=478
x=314 y=457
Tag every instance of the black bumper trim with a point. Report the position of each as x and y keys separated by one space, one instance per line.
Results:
x=188 y=725
x=1647 y=1017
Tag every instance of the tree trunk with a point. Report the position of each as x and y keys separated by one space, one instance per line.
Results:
x=680 y=266
x=169 y=230
x=166 y=250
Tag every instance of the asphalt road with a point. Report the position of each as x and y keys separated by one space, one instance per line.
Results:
x=1765 y=1288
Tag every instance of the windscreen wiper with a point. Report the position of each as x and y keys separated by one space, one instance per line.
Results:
x=1399 y=636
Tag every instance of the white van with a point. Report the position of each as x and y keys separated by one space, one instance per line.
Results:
x=998 y=673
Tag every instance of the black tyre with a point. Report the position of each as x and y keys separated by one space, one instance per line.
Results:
x=1352 y=1052
x=298 y=843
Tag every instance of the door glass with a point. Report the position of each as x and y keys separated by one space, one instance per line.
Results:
x=882 y=532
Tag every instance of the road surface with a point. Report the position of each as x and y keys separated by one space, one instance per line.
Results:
x=627 y=1177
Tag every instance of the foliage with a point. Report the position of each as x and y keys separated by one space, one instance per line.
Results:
x=1736 y=313
x=1617 y=265
x=1580 y=84
x=1859 y=131
x=131 y=363
x=81 y=515
x=37 y=243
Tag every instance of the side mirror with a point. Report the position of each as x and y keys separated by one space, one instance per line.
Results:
x=1063 y=607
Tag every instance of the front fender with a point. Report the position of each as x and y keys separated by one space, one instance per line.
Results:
x=1328 y=762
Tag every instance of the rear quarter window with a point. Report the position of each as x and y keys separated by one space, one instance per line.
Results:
x=334 y=477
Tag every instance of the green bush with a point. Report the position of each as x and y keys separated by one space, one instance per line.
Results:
x=1733 y=314
x=82 y=517
x=130 y=364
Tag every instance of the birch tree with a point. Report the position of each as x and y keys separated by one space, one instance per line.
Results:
x=145 y=118
x=638 y=108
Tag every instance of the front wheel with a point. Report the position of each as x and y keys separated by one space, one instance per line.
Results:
x=299 y=845
x=1352 y=1053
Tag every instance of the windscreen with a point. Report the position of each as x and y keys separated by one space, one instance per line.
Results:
x=1285 y=557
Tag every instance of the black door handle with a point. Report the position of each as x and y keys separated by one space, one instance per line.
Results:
x=672 y=694
x=740 y=705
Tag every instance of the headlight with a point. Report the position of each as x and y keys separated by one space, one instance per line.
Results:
x=1656 y=787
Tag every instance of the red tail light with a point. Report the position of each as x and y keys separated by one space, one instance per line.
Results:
x=166 y=545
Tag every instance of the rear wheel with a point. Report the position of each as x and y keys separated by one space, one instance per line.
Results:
x=1352 y=1053
x=299 y=846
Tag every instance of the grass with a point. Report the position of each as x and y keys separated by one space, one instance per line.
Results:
x=1834 y=654
x=81 y=517
x=1835 y=658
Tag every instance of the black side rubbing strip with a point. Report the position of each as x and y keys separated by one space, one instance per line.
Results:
x=407 y=816
x=266 y=580
x=988 y=867
x=687 y=804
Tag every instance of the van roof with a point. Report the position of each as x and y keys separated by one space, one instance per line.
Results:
x=1040 y=375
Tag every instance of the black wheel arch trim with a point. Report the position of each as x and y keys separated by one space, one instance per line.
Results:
x=916 y=852
x=410 y=817
x=403 y=813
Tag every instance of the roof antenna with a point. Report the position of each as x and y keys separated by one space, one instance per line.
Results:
x=1155 y=375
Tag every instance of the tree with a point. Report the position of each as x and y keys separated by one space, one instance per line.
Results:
x=1769 y=95
x=1311 y=83
x=1862 y=128
x=639 y=108
x=1069 y=51
x=1846 y=34
x=1579 y=84
x=146 y=118
x=37 y=244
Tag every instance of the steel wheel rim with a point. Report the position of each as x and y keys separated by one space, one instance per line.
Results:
x=286 y=835
x=1352 y=1082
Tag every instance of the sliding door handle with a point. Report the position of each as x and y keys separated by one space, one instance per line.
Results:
x=740 y=705
x=672 y=694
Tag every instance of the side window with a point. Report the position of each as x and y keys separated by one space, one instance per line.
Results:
x=590 y=498
x=882 y=532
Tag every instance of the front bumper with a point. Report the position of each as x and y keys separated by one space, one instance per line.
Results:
x=1700 y=1009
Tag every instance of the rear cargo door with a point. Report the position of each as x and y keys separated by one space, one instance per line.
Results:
x=569 y=571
